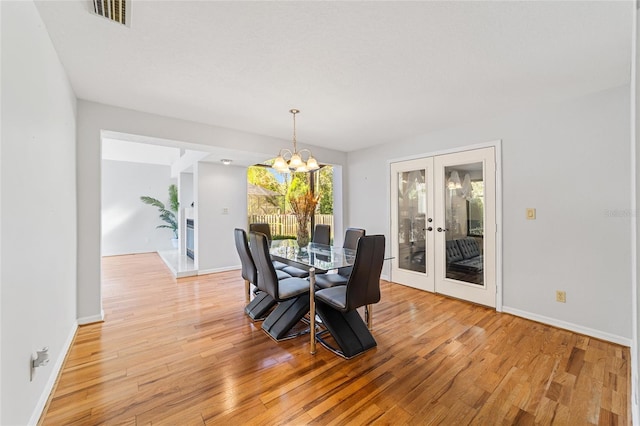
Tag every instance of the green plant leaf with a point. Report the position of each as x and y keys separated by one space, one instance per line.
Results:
x=152 y=201
x=174 y=204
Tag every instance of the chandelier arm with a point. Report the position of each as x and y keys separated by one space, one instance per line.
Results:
x=307 y=151
x=283 y=153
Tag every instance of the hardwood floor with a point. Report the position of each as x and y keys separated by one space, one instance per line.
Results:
x=183 y=352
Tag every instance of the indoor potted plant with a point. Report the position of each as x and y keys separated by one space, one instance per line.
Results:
x=167 y=215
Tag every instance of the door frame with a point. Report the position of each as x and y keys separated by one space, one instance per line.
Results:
x=497 y=145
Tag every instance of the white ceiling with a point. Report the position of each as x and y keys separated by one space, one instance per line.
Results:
x=362 y=73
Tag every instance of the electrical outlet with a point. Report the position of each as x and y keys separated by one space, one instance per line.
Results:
x=561 y=296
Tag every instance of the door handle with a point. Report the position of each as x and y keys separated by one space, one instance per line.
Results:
x=428 y=229
x=442 y=229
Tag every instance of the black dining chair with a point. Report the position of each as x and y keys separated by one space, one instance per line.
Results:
x=257 y=308
x=265 y=228
x=337 y=306
x=321 y=235
x=351 y=237
x=292 y=294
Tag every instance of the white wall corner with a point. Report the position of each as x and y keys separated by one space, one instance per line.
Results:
x=91 y=319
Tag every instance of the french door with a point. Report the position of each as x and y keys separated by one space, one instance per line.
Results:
x=443 y=224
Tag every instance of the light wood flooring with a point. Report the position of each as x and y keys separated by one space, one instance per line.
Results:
x=182 y=352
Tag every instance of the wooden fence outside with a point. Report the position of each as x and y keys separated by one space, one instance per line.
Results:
x=286 y=224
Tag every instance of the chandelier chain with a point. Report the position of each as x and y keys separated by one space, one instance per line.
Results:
x=295 y=142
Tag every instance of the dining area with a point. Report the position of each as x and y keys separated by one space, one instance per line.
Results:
x=317 y=290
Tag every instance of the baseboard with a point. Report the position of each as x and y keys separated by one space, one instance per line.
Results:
x=91 y=319
x=215 y=270
x=53 y=377
x=620 y=340
x=385 y=277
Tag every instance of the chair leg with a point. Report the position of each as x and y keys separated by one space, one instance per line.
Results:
x=347 y=329
x=285 y=316
x=260 y=306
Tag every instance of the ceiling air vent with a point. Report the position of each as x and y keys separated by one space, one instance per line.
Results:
x=114 y=10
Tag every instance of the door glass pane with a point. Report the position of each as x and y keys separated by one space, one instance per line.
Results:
x=412 y=208
x=464 y=221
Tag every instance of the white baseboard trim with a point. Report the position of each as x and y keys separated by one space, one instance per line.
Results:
x=624 y=341
x=53 y=377
x=184 y=274
x=215 y=270
x=385 y=277
x=91 y=319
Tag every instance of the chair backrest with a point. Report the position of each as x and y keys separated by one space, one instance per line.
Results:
x=351 y=237
x=266 y=272
x=249 y=271
x=263 y=228
x=322 y=234
x=363 y=287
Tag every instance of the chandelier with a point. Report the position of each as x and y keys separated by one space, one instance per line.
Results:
x=295 y=163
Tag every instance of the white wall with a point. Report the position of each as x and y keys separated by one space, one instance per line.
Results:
x=570 y=161
x=217 y=188
x=38 y=223
x=91 y=119
x=128 y=225
x=185 y=196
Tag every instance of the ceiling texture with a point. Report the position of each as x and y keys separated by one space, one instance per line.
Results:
x=362 y=73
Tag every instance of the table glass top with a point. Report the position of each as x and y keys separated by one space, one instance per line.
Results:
x=319 y=256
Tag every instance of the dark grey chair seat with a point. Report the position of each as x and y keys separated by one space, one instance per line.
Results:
x=331 y=280
x=282 y=275
x=296 y=272
x=292 y=287
x=279 y=265
x=336 y=297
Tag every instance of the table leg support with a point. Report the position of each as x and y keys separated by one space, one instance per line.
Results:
x=368 y=312
x=247 y=290
x=312 y=309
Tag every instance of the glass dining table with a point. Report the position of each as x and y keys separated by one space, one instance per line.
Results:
x=314 y=258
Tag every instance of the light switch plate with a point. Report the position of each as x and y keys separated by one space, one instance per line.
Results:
x=531 y=214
